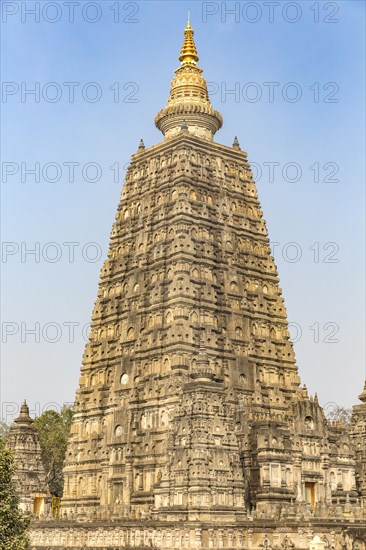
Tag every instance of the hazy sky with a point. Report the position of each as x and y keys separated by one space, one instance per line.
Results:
x=99 y=72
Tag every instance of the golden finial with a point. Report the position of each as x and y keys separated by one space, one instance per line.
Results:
x=188 y=53
x=189 y=107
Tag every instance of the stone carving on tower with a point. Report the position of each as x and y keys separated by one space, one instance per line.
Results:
x=203 y=478
x=190 y=407
x=30 y=475
x=358 y=434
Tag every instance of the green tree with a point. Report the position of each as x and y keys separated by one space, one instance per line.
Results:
x=4 y=429
x=54 y=430
x=13 y=522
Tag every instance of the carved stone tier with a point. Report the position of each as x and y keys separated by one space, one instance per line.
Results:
x=30 y=475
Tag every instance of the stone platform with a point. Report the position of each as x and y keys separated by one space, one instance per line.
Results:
x=314 y=534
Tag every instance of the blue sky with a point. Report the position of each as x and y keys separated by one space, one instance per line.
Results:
x=317 y=58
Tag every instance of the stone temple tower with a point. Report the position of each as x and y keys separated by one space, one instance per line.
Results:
x=189 y=409
x=30 y=475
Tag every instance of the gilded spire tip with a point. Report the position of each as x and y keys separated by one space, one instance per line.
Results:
x=188 y=53
x=188 y=27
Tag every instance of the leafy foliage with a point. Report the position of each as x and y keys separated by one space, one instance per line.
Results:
x=54 y=429
x=4 y=429
x=13 y=522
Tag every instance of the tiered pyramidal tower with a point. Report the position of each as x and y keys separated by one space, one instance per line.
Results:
x=30 y=476
x=190 y=406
